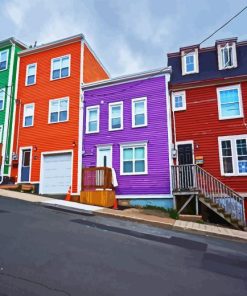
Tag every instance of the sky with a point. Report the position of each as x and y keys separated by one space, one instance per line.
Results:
x=128 y=36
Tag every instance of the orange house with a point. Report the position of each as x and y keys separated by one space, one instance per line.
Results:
x=47 y=144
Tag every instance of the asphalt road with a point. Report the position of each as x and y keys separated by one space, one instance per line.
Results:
x=48 y=252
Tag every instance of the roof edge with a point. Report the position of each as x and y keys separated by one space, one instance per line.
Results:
x=52 y=44
x=13 y=40
x=125 y=78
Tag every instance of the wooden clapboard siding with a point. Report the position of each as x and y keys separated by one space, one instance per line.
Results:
x=56 y=136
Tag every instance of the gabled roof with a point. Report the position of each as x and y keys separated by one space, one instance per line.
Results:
x=125 y=78
x=12 y=40
x=52 y=44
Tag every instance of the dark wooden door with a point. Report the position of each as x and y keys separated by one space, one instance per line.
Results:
x=185 y=155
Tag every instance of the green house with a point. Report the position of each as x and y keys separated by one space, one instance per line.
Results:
x=8 y=76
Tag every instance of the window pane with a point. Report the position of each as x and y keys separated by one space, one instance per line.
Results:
x=178 y=102
x=227 y=164
x=93 y=114
x=228 y=110
x=3 y=56
x=189 y=63
x=242 y=164
x=2 y=93
x=54 y=117
x=28 y=110
x=226 y=148
x=26 y=158
x=56 y=74
x=116 y=123
x=30 y=79
x=56 y=64
x=229 y=96
x=65 y=62
x=1 y=104
x=31 y=70
x=139 y=119
x=3 y=65
x=140 y=166
x=115 y=111
x=65 y=72
x=139 y=153
x=139 y=107
x=63 y=116
x=127 y=153
x=54 y=106
x=28 y=120
x=128 y=167
x=241 y=147
x=93 y=126
x=63 y=105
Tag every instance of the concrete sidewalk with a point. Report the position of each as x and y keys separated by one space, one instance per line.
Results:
x=131 y=214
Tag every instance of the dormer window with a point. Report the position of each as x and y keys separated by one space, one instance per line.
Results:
x=227 y=56
x=189 y=61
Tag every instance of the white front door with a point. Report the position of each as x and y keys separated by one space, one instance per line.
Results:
x=104 y=156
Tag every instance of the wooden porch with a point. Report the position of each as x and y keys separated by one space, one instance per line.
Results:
x=97 y=188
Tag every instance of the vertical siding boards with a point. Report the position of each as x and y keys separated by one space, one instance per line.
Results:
x=200 y=123
x=157 y=181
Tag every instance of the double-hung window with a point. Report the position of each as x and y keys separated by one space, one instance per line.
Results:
x=227 y=56
x=116 y=116
x=178 y=101
x=190 y=62
x=233 y=155
x=230 y=102
x=58 y=110
x=60 y=67
x=28 y=117
x=139 y=112
x=31 y=74
x=4 y=60
x=134 y=159
x=92 y=119
x=2 y=97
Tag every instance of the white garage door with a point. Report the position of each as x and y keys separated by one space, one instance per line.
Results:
x=56 y=176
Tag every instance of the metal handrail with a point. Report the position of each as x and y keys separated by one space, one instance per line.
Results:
x=191 y=177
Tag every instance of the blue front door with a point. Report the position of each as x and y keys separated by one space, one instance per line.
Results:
x=25 y=165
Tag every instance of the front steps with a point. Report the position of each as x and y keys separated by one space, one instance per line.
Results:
x=220 y=211
x=19 y=187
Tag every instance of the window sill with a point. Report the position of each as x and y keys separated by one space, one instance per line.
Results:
x=133 y=174
x=139 y=126
x=58 y=122
x=235 y=117
x=55 y=79
x=4 y=70
x=30 y=84
x=28 y=126
x=115 y=130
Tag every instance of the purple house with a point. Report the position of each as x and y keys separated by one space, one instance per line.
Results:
x=126 y=127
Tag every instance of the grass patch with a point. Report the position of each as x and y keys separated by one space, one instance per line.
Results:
x=171 y=212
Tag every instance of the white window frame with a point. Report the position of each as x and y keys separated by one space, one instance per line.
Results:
x=183 y=95
x=7 y=59
x=184 y=54
x=233 y=140
x=220 y=48
x=67 y=55
x=49 y=115
x=1 y=133
x=35 y=75
x=134 y=145
x=110 y=116
x=87 y=119
x=238 y=87
x=24 y=111
x=145 y=112
x=4 y=96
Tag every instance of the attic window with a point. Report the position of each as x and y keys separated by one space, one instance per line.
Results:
x=189 y=61
x=227 y=56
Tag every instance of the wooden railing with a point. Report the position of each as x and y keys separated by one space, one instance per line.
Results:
x=94 y=178
x=191 y=177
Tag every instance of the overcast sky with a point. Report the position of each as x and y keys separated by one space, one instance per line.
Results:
x=127 y=35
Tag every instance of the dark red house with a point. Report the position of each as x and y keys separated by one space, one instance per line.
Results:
x=208 y=91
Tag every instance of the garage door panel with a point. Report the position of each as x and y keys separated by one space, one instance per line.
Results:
x=57 y=170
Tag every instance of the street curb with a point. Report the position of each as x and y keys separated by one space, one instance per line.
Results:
x=172 y=227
